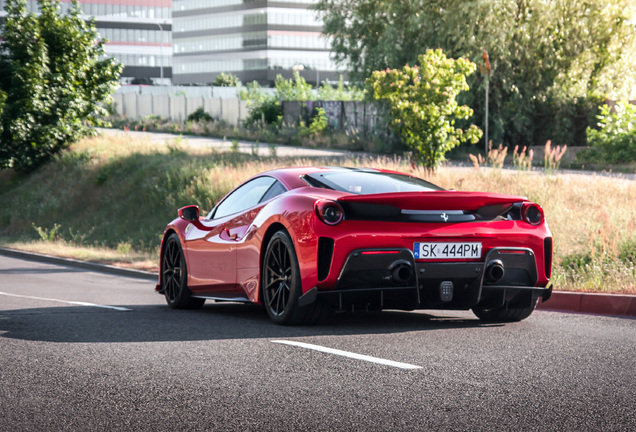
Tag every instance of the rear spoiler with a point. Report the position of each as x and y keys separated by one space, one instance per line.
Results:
x=434 y=200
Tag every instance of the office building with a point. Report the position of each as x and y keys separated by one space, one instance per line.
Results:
x=192 y=41
x=253 y=39
x=138 y=33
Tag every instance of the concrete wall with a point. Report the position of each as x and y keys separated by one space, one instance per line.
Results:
x=214 y=107
x=135 y=106
x=364 y=117
x=144 y=105
x=161 y=105
x=190 y=91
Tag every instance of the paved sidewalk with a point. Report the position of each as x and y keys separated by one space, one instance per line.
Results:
x=225 y=145
x=280 y=150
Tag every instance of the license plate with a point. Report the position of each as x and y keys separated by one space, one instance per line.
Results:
x=447 y=250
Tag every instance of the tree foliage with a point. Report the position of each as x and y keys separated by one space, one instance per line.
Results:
x=293 y=89
x=341 y=92
x=423 y=104
x=553 y=60
x=615 y=139
x=266 y=107
x=226 y=80
x=54 y=81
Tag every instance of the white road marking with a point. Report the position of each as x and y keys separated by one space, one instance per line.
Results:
x=118 y=308
x=349 y=354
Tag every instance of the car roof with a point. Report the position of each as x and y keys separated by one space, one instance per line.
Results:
x=291 y=177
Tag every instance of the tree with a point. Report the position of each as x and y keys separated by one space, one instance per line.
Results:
x=226 y=80
x=615 y=139
x=423 y=104
x=55 y=79
x=552 y=60
x=341 y=92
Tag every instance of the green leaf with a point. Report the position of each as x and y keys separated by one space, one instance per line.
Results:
x=55 y=76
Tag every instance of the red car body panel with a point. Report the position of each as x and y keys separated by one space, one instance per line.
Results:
x=224 y=256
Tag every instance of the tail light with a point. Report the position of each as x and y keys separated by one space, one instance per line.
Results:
x=330 y=212
x=532 y=213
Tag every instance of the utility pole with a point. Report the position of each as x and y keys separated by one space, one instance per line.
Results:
x=486 y=70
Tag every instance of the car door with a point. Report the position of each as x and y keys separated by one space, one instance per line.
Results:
x=212 y=254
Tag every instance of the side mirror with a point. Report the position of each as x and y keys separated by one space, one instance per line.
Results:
x=189 y=213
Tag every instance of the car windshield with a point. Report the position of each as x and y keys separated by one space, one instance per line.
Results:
x=368 y=182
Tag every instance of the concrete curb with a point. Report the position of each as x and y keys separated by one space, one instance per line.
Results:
x=102 y=268
x=592 y=303
x=561 y=301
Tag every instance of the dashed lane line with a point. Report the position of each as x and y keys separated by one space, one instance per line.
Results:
x=76 y=303
x=348 y=354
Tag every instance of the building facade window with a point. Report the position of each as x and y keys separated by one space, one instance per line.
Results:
x=253 y=42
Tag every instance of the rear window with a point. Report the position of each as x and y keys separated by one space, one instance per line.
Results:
x=368 y=182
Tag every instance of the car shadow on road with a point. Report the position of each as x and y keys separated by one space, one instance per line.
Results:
x=215 y=321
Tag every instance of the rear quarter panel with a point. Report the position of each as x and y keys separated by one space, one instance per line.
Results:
x=294 y=213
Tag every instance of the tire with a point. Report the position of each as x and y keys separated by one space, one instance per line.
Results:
x=281 y=285
x=174 y=277
x=504 y=313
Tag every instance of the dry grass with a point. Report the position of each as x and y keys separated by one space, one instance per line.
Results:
x=592 y=218
x=121 y=258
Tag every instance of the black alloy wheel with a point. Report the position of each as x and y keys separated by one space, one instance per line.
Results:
x=281 y=284
x=280 y=277
x=174 y=277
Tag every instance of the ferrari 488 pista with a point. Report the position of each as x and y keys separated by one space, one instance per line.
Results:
x=305 y=241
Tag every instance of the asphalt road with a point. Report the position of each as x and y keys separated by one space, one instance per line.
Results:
x=68 y=363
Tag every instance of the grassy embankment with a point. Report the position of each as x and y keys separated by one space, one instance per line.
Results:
x=108 y=200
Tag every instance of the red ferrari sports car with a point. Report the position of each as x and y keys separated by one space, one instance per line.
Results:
x=304 y=241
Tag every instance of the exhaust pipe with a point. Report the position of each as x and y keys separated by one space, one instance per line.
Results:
x=401 y=272
x=494 y=271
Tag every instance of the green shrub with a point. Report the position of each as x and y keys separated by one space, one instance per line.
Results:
x=615 y=140
x=341 y=92
x=266 y=108
x=317 y=124
x=268 y=111
x=423 y=104
x=48 y=235
x=226 y=80
x=199 y=115
x=293 y=89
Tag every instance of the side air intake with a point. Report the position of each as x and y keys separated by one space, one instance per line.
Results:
x=325 y=253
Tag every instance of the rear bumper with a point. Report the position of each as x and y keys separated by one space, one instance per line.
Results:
x=393 y=279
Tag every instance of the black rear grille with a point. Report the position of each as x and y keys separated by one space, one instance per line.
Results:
x=547 y=248
x=325 y=253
